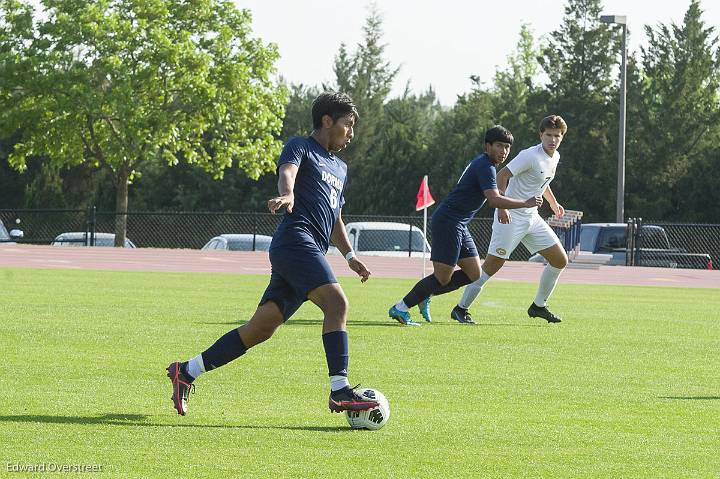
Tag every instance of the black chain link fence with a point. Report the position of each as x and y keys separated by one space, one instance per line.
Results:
x=673 y=245
x=195 y=229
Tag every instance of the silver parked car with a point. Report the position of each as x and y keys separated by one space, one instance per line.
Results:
x=239 y=242
x=10 y=237
x=82 y=238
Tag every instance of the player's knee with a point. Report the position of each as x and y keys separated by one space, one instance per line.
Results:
x=264 y=334
x=443 y=279
x=254 y=333
x=337 y=307
x=493 y=268
x=342 y=306
x=559 y=262
x=473 y=274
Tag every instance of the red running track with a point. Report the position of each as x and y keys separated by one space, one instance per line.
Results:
x=185 y=260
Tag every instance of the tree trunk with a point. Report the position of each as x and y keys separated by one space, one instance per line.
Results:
x=121 y=203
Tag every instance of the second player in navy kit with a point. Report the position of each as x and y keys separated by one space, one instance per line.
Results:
x=452 y=243
x=311 y=180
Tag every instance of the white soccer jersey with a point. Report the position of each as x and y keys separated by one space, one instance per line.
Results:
x=532 y=170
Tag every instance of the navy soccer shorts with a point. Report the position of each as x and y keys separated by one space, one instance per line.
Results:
x=451 y=241
x=295 y=272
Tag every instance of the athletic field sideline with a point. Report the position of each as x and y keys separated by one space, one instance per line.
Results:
x=185 y=260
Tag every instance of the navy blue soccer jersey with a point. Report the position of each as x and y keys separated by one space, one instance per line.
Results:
x=319 y=187
x=467 y=197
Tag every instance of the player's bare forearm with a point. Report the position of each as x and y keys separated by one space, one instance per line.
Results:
x=286 y=179
x=550 y=197
x=286 y=184
x=340 y=238
x=552 y=201
x=496 y=200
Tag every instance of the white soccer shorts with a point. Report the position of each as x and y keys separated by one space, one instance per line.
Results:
x=531 y=230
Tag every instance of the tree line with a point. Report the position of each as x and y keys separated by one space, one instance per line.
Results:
x=174 y=101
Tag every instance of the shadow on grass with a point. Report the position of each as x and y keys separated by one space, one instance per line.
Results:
x=142 y=420
x=302 y=322
x=388 y=323
x=692 y=398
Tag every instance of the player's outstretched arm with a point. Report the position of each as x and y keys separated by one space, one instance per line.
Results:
x=340 y=239
x=286 y=183
x=496 y=200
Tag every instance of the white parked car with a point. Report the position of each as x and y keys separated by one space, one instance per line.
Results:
x=83 y=238
x=239 y=242
x=380 y=238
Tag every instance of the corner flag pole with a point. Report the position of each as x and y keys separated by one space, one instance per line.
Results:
x=424 y=200
x=425 y=207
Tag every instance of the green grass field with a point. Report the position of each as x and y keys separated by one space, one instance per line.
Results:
x=627 y=386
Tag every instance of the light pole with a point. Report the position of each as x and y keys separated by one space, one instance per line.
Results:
x=620 y=210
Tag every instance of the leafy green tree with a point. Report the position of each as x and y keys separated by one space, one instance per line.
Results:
x=578 y=61
x=122 y=84
x=298 y=111
x=12 y=186
x=679 y=132
x=187 y=187
x=367 y=77
x=457 y=136
x=46 y=188
x=396 y=162
x=639 y=193
x=513 y=88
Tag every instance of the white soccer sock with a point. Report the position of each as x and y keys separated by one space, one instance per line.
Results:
x=196 y=366
x=401 y=306
x=338 y=382
x=548 y=280
x=472 y=290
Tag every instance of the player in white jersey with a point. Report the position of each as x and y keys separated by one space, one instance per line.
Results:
x=528 y=174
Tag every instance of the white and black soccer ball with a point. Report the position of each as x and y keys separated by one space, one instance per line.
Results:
x=374 y=418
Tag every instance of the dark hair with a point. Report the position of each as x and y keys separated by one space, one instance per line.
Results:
x=498 y=133
x=334 y=104
x=555 y=122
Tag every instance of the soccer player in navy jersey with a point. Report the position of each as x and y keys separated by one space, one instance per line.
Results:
x=452 y=243
x=311 y=182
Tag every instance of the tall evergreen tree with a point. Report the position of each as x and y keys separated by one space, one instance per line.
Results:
x=578 y=61
x=513 y=87
x=397 y=160
x=367 y=77
x=681 y=100
x=457 y=136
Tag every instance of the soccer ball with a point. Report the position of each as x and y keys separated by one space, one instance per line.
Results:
x=374 y=418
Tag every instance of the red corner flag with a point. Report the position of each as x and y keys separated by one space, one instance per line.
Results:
x=424 y=198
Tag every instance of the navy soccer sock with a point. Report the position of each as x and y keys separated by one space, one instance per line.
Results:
x=225 y=349
x=422 y=289
x=336 y=352
x=430 y=285
x=457 y=280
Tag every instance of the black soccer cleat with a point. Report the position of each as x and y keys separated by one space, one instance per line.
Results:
x=461 y=315
x=181 y=387
x=346 y=399
x=535 y=311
